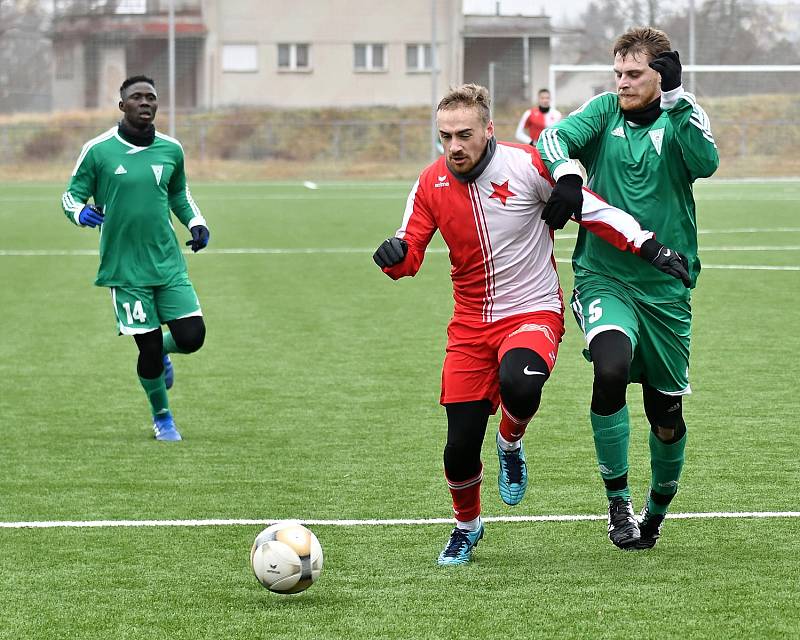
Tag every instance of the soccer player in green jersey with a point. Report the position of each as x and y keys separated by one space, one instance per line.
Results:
x=642 y=149
x=135 y=176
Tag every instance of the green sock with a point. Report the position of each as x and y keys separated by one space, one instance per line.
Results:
x=156 y=392
x=666 y=462
x=169 y=344
x=611 y=436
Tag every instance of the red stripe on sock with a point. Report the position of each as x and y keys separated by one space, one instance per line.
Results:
x=511 y=428
x=466 y=496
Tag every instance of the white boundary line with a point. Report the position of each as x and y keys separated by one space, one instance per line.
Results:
x=366 y=184
x=702 y=232
x=342 y=250
x=372 y=195
x=69 y=524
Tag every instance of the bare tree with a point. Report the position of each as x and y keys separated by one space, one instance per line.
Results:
x=729 y=32
x=737 y=32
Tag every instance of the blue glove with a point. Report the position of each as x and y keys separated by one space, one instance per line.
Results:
x=91 y=216
x=200 y=237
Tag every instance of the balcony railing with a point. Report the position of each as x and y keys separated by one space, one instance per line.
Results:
x=68 y=8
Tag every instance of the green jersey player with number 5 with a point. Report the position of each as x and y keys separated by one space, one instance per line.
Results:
x=642 y=148
x=135 y=176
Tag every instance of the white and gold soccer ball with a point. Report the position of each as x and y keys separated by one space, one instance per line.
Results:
x=286 y=557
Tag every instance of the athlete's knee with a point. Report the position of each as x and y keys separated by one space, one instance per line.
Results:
x=664 y=413
x=611 y=353
x=189 y=333
x=522 y=375
x=150 y=345
x=669 y=435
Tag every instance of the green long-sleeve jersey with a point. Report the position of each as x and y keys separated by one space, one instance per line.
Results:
x=137 y=187
x=647 y=171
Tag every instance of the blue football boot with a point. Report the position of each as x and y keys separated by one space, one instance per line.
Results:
x=169 y=372
x=512 y=480
x=164 y=428
x=459 y=547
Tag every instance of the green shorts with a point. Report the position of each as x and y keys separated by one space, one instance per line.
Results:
x=143 y=309
x=659 y=332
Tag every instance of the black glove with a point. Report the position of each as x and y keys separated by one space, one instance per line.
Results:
x=666 y=260
x=200 y=237
x=565 y=201
x=668 y=64
x=391 y=252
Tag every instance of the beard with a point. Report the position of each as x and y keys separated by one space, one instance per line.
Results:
x=632 y=103
x=640 y=99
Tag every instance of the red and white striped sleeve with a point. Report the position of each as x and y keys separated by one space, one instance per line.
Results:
x=613 y=225
x=417 y=229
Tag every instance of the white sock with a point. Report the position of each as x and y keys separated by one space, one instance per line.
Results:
x=470 y=525
x=505 y=445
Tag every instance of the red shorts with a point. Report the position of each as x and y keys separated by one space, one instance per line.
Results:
x=474 y=351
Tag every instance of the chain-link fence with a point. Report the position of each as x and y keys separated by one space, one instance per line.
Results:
x=61 y=62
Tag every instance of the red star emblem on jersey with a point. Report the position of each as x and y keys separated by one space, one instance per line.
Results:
x=502 y=192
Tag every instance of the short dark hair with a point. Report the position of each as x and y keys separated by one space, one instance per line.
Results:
x=133 y=80
x=544 y=90
x=647 y=40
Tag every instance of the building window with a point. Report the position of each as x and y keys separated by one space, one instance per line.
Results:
x=418 y=57
x=294 y=57
x=370 y=57
x=240 y=58
x=130 y=7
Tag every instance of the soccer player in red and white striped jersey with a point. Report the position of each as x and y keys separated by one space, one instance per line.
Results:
x=537 y=119
x=487 y=199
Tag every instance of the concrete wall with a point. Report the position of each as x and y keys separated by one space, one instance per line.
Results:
x=69 y=76
x=540 y=66
x=111 y=72
x=331 y=29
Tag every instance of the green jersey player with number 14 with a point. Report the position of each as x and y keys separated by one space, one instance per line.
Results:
x=642 y=148
x=135 y=176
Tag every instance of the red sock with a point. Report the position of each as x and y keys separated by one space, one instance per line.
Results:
x=511 y=428
x=466 y=497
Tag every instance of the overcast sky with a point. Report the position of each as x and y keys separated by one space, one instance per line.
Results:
x=559 y=10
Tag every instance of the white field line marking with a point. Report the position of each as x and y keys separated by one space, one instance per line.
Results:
x=264 y=196
x=304 y=250
x=70 y=524
x=572 y=236
x=367 y=184
x=342 y=250
x=750 y=180
x=788 y=247
x=316 y=196
x=751 y=267
x=372 y=195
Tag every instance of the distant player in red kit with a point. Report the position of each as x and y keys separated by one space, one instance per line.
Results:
x=537 y=119
x=488 y=201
